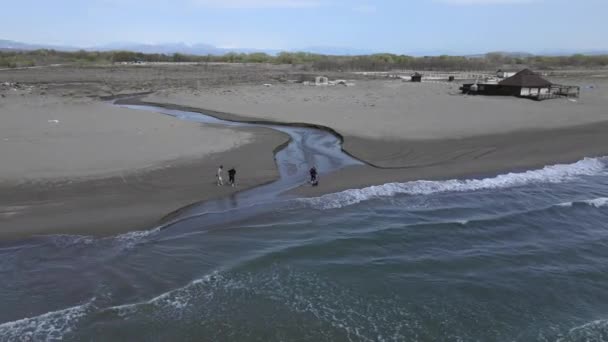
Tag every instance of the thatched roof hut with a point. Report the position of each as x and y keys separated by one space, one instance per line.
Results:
x=526 y=79
x=525 y=83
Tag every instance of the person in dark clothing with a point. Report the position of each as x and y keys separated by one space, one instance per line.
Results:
x=313 y=176
x=231 y=176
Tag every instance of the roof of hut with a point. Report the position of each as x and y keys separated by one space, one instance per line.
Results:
x=525 y=78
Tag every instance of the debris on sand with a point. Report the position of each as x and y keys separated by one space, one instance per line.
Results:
x=321 y=81
x=342 y=82
x=14 y=86
x=324 y=81
x=10 y=85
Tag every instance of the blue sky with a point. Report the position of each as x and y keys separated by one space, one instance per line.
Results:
x=400 y=26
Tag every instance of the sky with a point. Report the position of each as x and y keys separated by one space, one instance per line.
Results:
x=398 y=26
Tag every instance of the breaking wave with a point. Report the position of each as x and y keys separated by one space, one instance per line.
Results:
x=177 y=299
x=596 y=202
x=549 y=174
x=126 y=240
x=131 y=239
x=64 y=240
x=50 y=326
x=588 y=332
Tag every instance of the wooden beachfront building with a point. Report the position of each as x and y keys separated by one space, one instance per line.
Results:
x=525 y=83
x=504 y=73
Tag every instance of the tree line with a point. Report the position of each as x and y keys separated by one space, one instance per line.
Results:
x=374 y=62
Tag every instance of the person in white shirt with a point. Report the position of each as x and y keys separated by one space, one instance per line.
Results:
x=220 y=171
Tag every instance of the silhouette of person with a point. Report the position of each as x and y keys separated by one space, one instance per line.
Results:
x=313 y=176
x=231 y=177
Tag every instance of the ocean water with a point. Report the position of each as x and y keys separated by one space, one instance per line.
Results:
x=516 y=257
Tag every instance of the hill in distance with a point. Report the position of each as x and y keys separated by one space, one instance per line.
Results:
x=207 y=49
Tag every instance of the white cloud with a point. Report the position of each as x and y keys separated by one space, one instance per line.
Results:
x=247 y=4
x=485 y=2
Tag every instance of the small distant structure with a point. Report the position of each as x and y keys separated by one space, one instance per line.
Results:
x=321 y=81
x=416 y=77
x=505 y=73
x=525 y=83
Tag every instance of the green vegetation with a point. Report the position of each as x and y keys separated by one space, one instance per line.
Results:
x=376 y=62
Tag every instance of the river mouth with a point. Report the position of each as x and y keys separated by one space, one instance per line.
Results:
x=490 y=259
x=308 y=146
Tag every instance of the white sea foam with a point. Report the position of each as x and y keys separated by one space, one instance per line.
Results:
x=126 y=240
x=592 y=331
x=51 y=326
x=55 y=325
x=130 y=239
x=178 y=299
x=63 y=240
x=549 y=174
x=596 y=202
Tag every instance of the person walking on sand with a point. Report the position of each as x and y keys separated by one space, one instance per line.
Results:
x=219 y=174
x=231 y=177
x=313 y=176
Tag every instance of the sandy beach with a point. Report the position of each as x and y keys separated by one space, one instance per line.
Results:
x=71 y=163
x=407 y=131
x=50 y=137
x=392 y=110
x=83 y=166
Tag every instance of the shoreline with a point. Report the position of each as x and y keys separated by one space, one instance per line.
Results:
x=136 y=197
x=354 y=177
x=588 y=141
x=448 y=137
x=136 y=201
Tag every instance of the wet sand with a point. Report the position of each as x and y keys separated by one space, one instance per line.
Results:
x=137 y=200
x=474 y=157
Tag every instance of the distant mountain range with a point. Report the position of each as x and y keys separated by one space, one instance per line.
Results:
x=13 y=45
x=170 y=48
x=207 y=49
